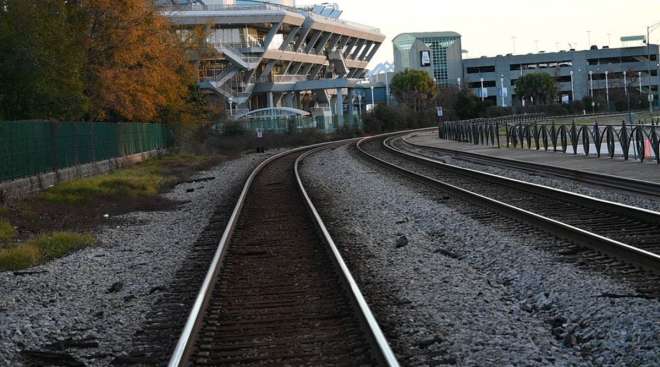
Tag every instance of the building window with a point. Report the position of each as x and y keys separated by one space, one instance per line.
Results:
x=487 y=84
x=480 y=69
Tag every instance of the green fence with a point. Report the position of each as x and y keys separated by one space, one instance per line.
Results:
x=30 y=148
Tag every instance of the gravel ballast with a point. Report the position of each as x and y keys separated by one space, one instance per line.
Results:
x=86 y=307
x=450 y=289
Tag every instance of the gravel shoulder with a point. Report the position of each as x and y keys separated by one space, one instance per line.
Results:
x=85 y=308
x=449 y=288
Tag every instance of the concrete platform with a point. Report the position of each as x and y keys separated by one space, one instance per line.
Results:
x=648 y=171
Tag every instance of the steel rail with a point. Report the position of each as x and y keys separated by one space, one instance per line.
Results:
x=613 y=181
x=187 y=339
x=379 y=342
x=644 y=215
x=619 y=250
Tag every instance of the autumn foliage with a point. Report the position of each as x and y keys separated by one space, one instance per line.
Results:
x=101 y=60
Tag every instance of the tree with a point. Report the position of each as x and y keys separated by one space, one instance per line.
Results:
x=540 y=88
x=136 y=67
x=41 y=60
x=414 y=88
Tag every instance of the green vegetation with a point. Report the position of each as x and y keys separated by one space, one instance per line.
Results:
x=7 y=231
x=59 y=244
x=414 y=88
x=537 y=88
x=92 y=60
x=42 y=249
x=19 y=257
x=147 y=179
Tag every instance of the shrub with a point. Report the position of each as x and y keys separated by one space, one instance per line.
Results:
x=7 y=231
x=234 y=128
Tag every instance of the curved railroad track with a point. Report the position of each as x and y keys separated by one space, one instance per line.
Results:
x=622 y=232
x=612 y=181
x=278 y=291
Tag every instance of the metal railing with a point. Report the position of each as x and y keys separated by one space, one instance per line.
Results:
x=637 y=141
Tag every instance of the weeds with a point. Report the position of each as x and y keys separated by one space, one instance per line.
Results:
x=147 y=179
x=7 y=231
x=42 y=249
x=19 y=257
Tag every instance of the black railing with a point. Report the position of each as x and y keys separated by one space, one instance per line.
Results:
x=639 y=141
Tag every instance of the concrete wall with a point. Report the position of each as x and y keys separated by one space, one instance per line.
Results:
x=24 y=187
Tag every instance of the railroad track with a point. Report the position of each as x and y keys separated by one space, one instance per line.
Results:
x=278 y=291
x=620 y=183
x=622 y=232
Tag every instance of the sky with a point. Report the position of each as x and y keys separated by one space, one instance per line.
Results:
x=487 y=26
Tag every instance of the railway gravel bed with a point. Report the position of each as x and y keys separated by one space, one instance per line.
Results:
x=451 y=285
x=618 y=196
x=85 y=309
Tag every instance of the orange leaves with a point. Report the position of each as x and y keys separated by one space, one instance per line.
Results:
x=137 y=64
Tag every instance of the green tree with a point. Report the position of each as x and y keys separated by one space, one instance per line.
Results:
x=468 y=106
x=414 y=88
x=41 y=60
x=540 y=88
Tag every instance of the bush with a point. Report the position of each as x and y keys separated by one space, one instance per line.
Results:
x=7 y=231
x=234 y=128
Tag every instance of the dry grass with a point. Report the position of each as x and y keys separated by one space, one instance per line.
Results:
x=42 y=249
x=147 y=179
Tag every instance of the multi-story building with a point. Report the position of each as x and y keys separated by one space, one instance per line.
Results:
x=438 y=53
x=268 y=58
x=579 y=74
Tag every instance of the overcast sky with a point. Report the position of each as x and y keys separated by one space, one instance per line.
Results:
x=487 y=26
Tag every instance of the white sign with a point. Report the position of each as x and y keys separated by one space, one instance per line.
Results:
x=260 y=133
x=565 y=99
x=440 y=111
x=482 y=92
x=426 y=58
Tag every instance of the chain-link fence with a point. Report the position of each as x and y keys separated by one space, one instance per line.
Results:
x=30 y=148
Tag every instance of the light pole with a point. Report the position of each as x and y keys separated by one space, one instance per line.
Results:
x=481 y=92
x=360 y=104
x=502 y=90
x=231 y=107
x=591 y=82
x=387 y=89
x=650 y=29
x=607 y=89
x=572 y=87
x=640 y=82
x=373 y=100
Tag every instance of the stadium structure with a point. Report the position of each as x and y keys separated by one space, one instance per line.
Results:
x=273 y=59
